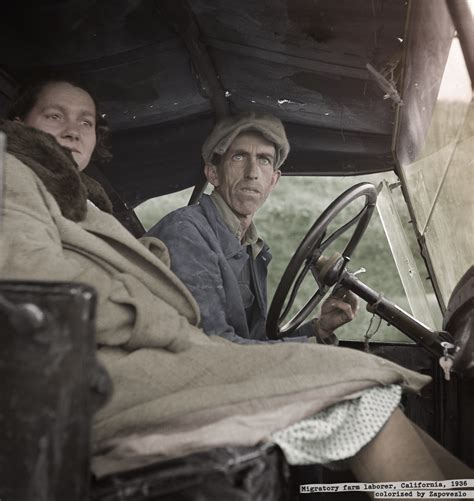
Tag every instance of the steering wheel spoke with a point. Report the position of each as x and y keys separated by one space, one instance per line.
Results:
x=295 y=288
x=308 y=252
x=304 y=312
x=336 y=234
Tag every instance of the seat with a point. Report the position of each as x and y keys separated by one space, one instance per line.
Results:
x=233 y=474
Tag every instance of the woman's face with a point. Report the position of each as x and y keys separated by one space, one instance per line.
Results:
x=68 y=113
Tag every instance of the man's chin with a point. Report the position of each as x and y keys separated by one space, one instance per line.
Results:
x=246 y=210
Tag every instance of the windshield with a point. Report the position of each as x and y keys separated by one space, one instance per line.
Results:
x=439 y=177
x=289 y=213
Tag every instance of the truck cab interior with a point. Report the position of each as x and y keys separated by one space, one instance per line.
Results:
x=375 y=91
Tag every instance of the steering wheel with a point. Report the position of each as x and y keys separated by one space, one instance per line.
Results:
x=309 y=251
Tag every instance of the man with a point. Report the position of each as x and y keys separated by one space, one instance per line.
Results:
x=214 y=246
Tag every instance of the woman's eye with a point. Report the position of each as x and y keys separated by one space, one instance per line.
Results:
x=87 y=123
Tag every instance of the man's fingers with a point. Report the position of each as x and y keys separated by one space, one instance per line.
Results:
x=334 y=313
x=343 y=309
x=346 y=295
x=352 y=300
x=338 y=309
x=348 y=310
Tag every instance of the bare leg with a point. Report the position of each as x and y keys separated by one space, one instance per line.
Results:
x=397 y=453
x=449 y=464
x=402 y=451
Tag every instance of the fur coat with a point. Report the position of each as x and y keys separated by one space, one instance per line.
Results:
x=55 y=166
x=167 y=373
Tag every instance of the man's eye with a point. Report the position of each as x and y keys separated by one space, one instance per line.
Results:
x=53 y=116
x=87 y=123
x=238 y=157
x=265 y=161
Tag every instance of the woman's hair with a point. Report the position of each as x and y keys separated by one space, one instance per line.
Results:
x=26 y=98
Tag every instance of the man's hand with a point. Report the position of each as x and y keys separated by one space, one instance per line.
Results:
x=338 y=309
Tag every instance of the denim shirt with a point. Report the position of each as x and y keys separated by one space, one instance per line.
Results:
x=209 y=259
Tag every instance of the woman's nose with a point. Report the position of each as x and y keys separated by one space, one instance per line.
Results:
x=71 y=131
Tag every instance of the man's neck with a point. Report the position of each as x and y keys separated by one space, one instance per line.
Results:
x=245 y=222
x=238 y=224
x=241 y=227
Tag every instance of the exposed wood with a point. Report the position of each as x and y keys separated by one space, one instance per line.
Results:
x=180 y=15
x=147 y=87
x=305 y=63
x=301 y=96
x=347 y=34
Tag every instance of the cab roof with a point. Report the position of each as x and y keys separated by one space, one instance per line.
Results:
x=163 y=72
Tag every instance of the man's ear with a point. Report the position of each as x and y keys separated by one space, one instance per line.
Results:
x=211 y=174
x=275 y=178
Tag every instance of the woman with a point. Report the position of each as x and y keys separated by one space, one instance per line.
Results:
x=169 y=377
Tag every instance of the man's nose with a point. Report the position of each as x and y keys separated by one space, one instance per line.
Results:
x=251 y=171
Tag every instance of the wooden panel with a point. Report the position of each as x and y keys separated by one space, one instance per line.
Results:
x=154 y=87
x=302 y=96
x=347 y=32
x=429 y=35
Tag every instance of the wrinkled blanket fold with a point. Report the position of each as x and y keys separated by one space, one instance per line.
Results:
x=218 y=393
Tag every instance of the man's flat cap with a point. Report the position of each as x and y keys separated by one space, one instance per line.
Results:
x=227 y=129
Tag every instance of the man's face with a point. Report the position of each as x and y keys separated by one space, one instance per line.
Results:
x=68 y=113
x=246 y=175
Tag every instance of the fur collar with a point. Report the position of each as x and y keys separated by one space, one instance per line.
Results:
x=55 y=166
